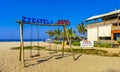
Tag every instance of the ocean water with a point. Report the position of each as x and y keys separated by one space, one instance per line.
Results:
x=18 y=40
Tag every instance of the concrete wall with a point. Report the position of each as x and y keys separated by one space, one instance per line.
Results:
x=98 y=31
x=104 y=30
x=92 y=33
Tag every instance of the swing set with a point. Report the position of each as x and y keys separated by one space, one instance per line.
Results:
x=21 y=23
x=31 y=45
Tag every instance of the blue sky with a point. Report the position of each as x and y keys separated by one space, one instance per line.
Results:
x=73 y=10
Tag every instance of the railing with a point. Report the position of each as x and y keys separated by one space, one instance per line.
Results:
x=114 y=21
x=115 y=27
x=106 y=22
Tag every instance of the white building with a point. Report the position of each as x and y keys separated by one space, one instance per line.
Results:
x=105 y=26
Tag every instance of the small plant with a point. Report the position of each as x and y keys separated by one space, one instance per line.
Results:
x=57 y=42
x=118 y=40
x=106 y=45
x=96 y=45
x=76 y=43
x=89 y=51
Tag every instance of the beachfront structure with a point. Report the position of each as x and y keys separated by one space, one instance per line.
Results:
x=34 y=21
x=104 y=26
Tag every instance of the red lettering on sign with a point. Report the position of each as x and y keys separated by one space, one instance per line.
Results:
x=86 y=42
x=63 y=22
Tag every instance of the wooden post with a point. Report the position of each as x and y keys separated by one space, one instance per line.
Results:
x=95 y=21
x=86 y=22
x=112 y=36
x=63 y=41
x=21 y=44
x=104 y=20
x=117 y=20
x=20 y=41
x=67 y=35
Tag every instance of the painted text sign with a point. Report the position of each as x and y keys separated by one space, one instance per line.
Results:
x=63 y=22
x=36 y=20
x=86 y=43
x=29 y=20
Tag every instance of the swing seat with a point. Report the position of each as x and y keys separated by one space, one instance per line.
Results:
x=35 y=55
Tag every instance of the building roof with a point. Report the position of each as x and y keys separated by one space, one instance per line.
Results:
x=102 y=15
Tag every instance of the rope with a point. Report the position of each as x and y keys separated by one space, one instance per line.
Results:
x=38 y=52
x=31 y=41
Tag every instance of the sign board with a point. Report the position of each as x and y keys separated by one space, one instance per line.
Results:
x=36 y=20
x=63 y=22
x=86 y=43
x=29 y=20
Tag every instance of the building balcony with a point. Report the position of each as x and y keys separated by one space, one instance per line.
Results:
x=104 y=22
x=116 y=28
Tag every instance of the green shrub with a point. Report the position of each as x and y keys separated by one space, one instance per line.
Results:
x=57 y=42
x=106 y=45
x=102 y=45
x=118 y=40
x=100 y=52
x=96 y=45
x=76 y=43
x=89 y=51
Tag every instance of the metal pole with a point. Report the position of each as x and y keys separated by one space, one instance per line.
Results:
x=21 y=43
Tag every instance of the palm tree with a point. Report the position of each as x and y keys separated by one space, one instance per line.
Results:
x=50 y=33
x=81 y=29
x=57 y=33
x=71 y=33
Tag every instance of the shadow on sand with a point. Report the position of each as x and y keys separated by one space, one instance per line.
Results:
x=78 y=56
x=44 y=59
x=112 y=70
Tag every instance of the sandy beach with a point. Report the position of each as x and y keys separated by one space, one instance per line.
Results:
x=52 y=62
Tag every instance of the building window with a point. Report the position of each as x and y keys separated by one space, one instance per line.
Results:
x=105 y=38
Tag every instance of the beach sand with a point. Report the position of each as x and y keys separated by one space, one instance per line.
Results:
x=52 y=62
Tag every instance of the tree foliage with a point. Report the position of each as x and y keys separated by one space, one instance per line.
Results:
x=50 y=33
x=81 y=28
x=71 y=32
x=57 y=33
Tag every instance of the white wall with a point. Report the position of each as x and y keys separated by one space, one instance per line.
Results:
x=104 y=30
x=92 y=33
